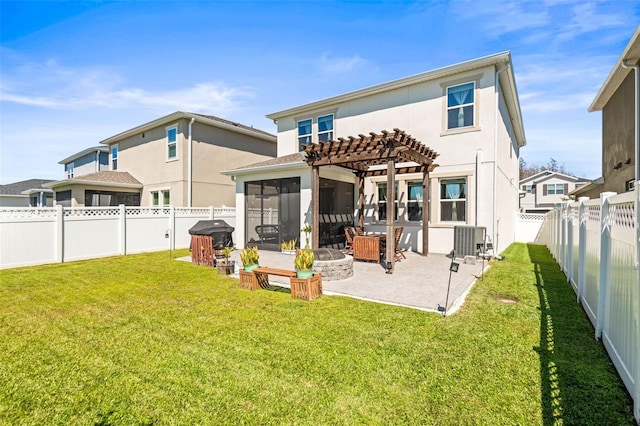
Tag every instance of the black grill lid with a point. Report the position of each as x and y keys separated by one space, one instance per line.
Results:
x=210 y=227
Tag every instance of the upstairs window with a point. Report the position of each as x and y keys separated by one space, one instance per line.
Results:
x=453 y=203
x=460 y=105
x=527 y=188
x=69 y=170
x=304 y=133
x=114 y=157
x=318 y=129
x=172 y=143
x=325 y=127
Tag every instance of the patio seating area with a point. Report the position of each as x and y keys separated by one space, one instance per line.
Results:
x=418 y=282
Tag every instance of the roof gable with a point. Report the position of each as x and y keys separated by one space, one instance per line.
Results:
x=209 y=120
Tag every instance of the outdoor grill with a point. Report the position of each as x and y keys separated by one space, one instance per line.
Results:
x=208 y=238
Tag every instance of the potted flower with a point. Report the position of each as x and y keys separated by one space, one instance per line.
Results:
x=226 y=266
x=249 y=257
x=288 y=247
x=304 y=263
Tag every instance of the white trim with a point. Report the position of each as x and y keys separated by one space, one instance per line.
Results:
x=167 y=143
x=115 y=145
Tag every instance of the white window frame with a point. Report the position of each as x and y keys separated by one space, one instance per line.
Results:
x=378 y=201
x=114 y=161
x=160 y=194
x=443 y=180
x=472 y=104
x=169 y=143
x=555 y=189
x=406 y=186
x=308 y=137
x=329 y=133
x=69 y=172
x=629 y=185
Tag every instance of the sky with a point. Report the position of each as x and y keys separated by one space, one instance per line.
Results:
x=75 y=73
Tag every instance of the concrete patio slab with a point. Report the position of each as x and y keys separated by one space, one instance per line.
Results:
x=418 y=282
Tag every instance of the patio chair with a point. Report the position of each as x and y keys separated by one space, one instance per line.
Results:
x=349 y=234
x=358 y=230
x=399 y=255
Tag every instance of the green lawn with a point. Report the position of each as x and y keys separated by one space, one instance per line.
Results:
x=145 y=339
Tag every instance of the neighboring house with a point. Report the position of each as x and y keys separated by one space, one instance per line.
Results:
x=27 y=193
x=469 y=113
x=617 y=99
x=90 y=160
x=174 y=160
x=544 y=191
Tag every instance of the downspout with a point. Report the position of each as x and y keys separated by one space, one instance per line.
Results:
x=97 y=160
x=494 y=224
x=190 y=160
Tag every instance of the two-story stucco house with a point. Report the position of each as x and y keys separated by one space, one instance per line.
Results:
x=618 y=101
x=469 y=113
x=174 y=160
x=546 y=190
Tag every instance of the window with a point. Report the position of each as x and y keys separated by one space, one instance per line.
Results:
x=304 y=133
x=172 y=143
x=69 y=170
x=554 y=189
x=460 y=105
x=629 y=185
x=109 y=198
x=527 y=188
x=414 y=201
x=324 y=130
x=63 y=198
x=166 y=198
x=453 y=196
x=325 y=127
x=382 y=201
x=114 y=157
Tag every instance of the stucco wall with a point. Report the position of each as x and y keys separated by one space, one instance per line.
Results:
x=144 y=156
x=618 y=129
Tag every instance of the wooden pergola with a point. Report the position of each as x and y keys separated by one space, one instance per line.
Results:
x=364 y=155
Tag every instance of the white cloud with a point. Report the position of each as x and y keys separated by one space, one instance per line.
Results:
x=50 y=85
x=336 y=65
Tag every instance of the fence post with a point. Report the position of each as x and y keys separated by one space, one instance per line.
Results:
x=582 y=246
x=636 y=380
x=563 y=238
x=172 y=227
x=210 y=212
x=605 y=260
x=123 y=229
x=59 y=233
x=569 y=245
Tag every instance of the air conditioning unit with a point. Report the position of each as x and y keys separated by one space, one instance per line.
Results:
x=469 y=240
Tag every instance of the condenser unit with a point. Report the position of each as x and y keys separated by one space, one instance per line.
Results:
x=469 y=240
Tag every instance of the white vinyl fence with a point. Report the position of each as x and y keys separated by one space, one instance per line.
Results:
x=35 y=236
x=595 y=242
x=528 y=226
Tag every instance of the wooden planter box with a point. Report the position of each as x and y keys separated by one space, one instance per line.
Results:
x=248 y=280
x=226 y=268
x=306 y=288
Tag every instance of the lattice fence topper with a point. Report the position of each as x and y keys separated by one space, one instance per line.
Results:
x=183 y=211
x=27 y=212
x=622 y=215
x=532 y=216
x=593 y=213
x=91 y=211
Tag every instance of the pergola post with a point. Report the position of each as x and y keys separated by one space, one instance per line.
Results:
x=315 y=207
x=425 y=213
x=360 y=200
x=391 y=205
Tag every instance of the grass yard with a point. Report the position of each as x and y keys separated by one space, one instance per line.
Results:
x=145 y=339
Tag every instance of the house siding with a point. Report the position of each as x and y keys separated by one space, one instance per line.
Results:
x=618 y=127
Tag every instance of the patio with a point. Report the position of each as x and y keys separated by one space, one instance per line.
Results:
x=419 y=282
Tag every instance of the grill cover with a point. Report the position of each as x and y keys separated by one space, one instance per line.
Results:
x=219 y=231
